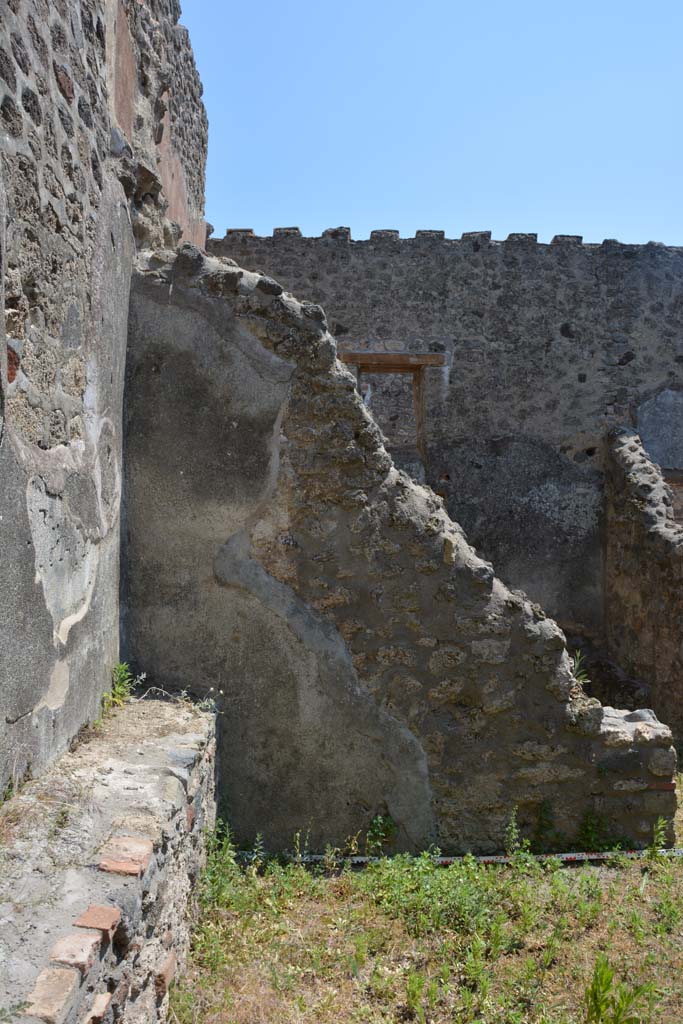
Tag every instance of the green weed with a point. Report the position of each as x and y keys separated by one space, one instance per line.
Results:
x=122 y=686
x=610 y=1002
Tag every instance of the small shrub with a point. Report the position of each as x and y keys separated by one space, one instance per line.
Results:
x=607 y=1002
x=123 y=682
x=579 y=669
x=381 y=831
x=513 y=836
x=594 y=835
x=659 y=833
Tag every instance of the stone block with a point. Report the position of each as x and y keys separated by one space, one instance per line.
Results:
x=663 y=761
x=98 y=1010
x=341 y=234
x=53 y=994
x=165 y=974
x=78 y=950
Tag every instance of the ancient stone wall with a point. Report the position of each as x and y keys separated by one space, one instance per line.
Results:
x=159 y=109
x=70 y=181
x=645 y=575
x=366 y=659
x=99 y=857
x=548 y=347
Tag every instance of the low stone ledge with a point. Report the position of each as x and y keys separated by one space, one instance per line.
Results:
x=98 y=860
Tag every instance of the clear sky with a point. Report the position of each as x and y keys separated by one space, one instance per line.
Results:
x=461 y=115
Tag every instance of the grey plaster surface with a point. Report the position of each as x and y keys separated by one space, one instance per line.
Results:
x=660 y=425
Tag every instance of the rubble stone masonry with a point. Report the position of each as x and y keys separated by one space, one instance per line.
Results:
x=548 y=346
x=370 y=661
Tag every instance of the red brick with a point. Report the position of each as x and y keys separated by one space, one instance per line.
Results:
x=667 y=787
x=190 y=815
x=66 y=86
x=126 y=855
x=77 y=950
x=52 y=995
x=165 y=974
x=120 y=867
x=12 y=365
x=103 y=918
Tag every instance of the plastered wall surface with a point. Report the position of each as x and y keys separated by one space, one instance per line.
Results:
x=548 y=347
x=369 y=661
x=71 y=182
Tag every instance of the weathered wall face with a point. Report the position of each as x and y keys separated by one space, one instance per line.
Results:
x=160 y=113
x=645 y=575
x=548 y=345
x=67 y=253
x=369 y=660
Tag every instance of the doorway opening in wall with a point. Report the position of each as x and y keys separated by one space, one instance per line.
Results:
x=396 y=382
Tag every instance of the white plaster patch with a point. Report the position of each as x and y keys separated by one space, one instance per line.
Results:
x=58 y=688
x=66 y=562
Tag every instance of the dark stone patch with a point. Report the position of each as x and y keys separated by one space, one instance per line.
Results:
x=31 y=105
x=84 y=111
x=7 y=72
x=67 y=121
x=11 y=117
x=20 y=53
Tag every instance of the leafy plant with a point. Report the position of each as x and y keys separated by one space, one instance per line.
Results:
x=123 y=682
x=382 y=829
x=415 y=984
x=513 y=836
x=594 y=835
x=659 y=831
x=607 y=1002
x=579 y=669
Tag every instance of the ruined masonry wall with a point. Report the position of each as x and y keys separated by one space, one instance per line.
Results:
x=159 y=108
x=645 y=575
x=73 y=175
x=369 y=661
x=548 y=346
x=99 y=860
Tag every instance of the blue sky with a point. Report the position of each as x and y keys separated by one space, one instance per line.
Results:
x=559 y=118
